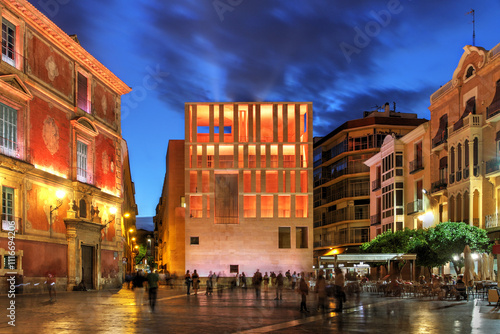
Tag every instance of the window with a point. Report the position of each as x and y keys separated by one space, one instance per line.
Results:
x=8 y=130
x=8 y=42
x=233 y=269
x=183 y=201
x=195 y=240
x=301 y=237
x=81 y=161
x=8 y=219
x=284 y=237
x=9 y=262
x=83 y=101
x=470 y=72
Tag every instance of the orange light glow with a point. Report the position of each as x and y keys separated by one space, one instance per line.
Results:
x=51 y=170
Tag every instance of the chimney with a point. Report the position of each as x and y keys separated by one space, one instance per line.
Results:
x=387 y=109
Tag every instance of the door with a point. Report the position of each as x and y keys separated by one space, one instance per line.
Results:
x=88 y=266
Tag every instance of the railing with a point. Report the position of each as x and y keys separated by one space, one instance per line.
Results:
x=438 y=185
x=375 y=219
x=416 y=165
x=358 y=212
x=492 y=165
x=459 y=175
x=452 y=178
x=466 y=172
x=376 y=184
x=492 y=221
x=414 y=207
x=11 y=223
x=195 y=213
x=440 y=138
x=471 y=120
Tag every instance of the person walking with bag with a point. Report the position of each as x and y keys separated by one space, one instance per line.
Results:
x=187 y=279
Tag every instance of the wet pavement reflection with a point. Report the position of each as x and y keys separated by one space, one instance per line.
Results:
x=239 y=311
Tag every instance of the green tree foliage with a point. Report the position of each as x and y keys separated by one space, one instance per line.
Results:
x=141 y=254
x=434 y=246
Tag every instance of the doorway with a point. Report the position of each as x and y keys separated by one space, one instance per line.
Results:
x=88 y=266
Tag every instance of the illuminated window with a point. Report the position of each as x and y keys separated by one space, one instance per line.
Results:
x=196 y=207
x=284 y=237
x=271 y=181
x=205 y=181
x=193 y=186
x=301 y=237
x=257 y=181
x=8 y=131
x=195 y=240
x=81 y=161
x=301 y=206
x=291 y=123
x=83 y=92
x=247 y=182
x=303 y=181
x=8 y=42
x=284 y=206
x=249 y=206
x=292 y=181
x=266 y=206
x=208 y=206
x=8 y=210
x=183 y=202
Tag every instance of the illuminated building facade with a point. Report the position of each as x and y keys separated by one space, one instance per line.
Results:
x=247 y=188
x=60 y=135
x=342 y=185
x=456 y=177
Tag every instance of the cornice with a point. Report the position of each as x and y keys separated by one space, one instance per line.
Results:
x=57 y=36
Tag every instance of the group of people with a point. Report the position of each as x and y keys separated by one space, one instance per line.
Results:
x=142 y=281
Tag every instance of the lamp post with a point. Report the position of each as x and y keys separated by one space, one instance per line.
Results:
x=112 y=211
x=59 y=195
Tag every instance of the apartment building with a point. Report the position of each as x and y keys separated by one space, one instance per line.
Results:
x=342 y=185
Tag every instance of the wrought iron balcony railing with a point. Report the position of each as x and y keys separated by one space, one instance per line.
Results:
x=414 y=207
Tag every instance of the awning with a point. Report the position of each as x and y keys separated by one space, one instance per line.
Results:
x=375 y=257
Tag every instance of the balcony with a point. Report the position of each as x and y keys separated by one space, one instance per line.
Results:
x=452 y=178
x=492 y=167
x=492 y=221
x=466 y=172
x=476 y=170
x=441 y=138
x=375 y=219
x=414 y=207
x=438 y=186
x=358 y=212
x=469 y=121
x=376 y=184
x=416 y=165
x=458 y=175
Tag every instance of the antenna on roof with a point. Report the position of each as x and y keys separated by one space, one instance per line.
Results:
x=473 y=12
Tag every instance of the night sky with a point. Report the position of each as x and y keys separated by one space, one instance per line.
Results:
x=344 y=56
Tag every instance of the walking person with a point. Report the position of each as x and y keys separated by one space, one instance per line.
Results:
x=187 y=281
x=321 y=291
x=279 y=286
x=196 y=282
x=303 y=291
x=294 y=280
x=152 y=279
x=339 y=289
x=257 y=283
x=138 y=287
x=266 y=282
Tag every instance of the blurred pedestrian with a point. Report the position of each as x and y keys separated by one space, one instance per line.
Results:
x=257 y=283
x=152 y=279
x=51 y=286
x=187 y=281
x=210 y=283
x=294 y=280
x=138 y=287
x=279 y=286
x=196 y=282
x=303 y=291
x=321 y=291
x=266 y=282
x=339 y=289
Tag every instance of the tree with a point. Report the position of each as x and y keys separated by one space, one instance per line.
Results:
x=449 y=239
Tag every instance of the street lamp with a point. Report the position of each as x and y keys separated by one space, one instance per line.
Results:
x=59 y=195
x=112 y=211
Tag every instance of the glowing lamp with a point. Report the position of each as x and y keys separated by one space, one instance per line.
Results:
x=60 y=194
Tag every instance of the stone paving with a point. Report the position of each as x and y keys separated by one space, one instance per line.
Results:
x=239 y=311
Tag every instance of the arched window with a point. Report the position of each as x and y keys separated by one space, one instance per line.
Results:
x=470 y=72
x=452 y=160
x=83 y=208
x=459 y=156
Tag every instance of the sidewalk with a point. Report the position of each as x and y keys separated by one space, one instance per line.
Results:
x=115 y=311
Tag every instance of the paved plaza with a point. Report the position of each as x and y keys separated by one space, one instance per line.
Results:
x=114 y=311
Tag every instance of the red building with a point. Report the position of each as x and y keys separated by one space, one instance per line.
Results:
x=60 y=136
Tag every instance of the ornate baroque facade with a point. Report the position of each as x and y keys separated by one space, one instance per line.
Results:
x=60 y=135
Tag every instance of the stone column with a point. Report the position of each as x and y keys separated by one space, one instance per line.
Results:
x=72 y=248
